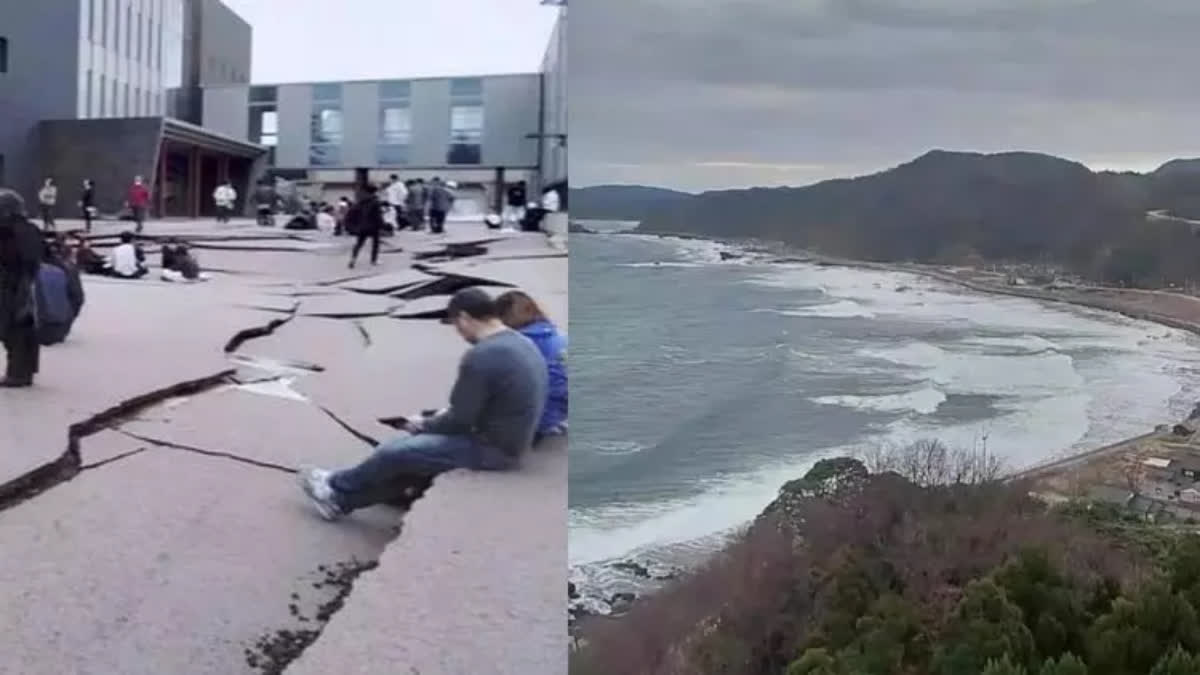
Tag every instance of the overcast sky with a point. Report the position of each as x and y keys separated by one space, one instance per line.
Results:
x=730 y=93
x=304 y=40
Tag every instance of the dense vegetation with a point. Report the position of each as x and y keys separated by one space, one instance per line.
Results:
x=955 y=207
x=856 y=573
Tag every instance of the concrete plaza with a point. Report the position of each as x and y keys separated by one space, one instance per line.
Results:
x=150 y=521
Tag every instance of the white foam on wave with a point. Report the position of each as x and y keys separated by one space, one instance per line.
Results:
x=841 y=309
x=620 y=530
x=1027 y=375
x=616 y=448
x=924 y=401
x=666 y=263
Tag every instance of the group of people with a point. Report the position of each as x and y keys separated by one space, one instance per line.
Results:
x=41 y=293
x=510 y=394
x=137 y=200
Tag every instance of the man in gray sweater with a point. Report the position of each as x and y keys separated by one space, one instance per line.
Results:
x=494 y=410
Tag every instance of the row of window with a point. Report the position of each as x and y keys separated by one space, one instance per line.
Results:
x=139 y=42
x=395 y=122
x=137 y=101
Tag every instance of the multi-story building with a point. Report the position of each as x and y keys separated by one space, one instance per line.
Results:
x=481 y=132
x=104 y=89
x=161 y=88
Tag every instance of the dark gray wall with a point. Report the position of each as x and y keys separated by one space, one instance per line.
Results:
x=42 y=80
x=225 y=41
x=217 y=51
x=554 y=103
x=108 y=151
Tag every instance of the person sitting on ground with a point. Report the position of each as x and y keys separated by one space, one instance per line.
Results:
x=86 y=258
x=519 y=311
x=326 y=220
x=494 y=410
x=128 y=260
x=169 y=251
x=183 y=265
x=58 y=299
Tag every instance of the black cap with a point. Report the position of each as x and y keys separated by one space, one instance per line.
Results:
x=472 y=301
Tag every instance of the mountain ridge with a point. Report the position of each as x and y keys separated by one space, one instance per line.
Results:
x=958 y=207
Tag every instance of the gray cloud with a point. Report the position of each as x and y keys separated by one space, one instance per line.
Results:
x=739 y=92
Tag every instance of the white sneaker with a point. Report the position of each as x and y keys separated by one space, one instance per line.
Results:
x=315 y=483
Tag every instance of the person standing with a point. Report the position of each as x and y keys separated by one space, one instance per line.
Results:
x=139 y=199
x=397 y=196
x=264 y=204
x=514 y=211
x=87 y=203
x=412 y=206
x=21 y=252
x=224 y=197
x=48 y=198
x=422 y=201
x=367 y=219
x=441 y=200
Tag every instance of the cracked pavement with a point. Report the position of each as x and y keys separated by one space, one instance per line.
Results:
x=147 y=516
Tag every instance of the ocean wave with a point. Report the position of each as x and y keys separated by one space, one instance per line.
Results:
x=923 y=401
x=665 y=263
x=842 y=309
x=615 y=448
x=954 y=372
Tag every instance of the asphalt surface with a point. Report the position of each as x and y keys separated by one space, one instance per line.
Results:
x=149 y=516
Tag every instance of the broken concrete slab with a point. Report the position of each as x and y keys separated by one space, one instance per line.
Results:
x=347 y=305
x=545 y=279
x=476 y=533
x=110 y=358
x=195 y=561
x=300 y=434
x=389 y=282
x=427 y=307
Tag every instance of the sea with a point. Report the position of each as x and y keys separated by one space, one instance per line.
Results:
x=701 y=383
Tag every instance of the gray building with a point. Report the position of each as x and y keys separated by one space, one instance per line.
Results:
x=161 y=88
x=98 y=89
x=554 y=97
x=478 y=131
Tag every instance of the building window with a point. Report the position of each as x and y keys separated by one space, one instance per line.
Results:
x=116 y=43
x=395 y=123
x=3 y=55
x=91 y=20
x=104 y=23
x=262 y=95
x=138 y=51
x=113 y=108
x=128 y=31
x=87 y=102
x=466 y=121
x=103 y=95
x=326 y=126
x=264 y=126
x=128 y=109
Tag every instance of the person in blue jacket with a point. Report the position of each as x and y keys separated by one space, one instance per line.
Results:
x=519 y=312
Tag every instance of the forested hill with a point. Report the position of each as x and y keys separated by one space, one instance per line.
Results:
x=961 y=207
x=621 y=202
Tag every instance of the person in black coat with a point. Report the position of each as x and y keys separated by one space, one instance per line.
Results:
x=87 y=203
x=21 y=252
x=367 y=220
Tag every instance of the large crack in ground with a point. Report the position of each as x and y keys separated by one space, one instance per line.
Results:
x=246 y=334
x=275 y=650
x=68 y=465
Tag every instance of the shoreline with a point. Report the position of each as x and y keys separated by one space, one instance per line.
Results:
x=1137 y=304
x=1125 y=302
